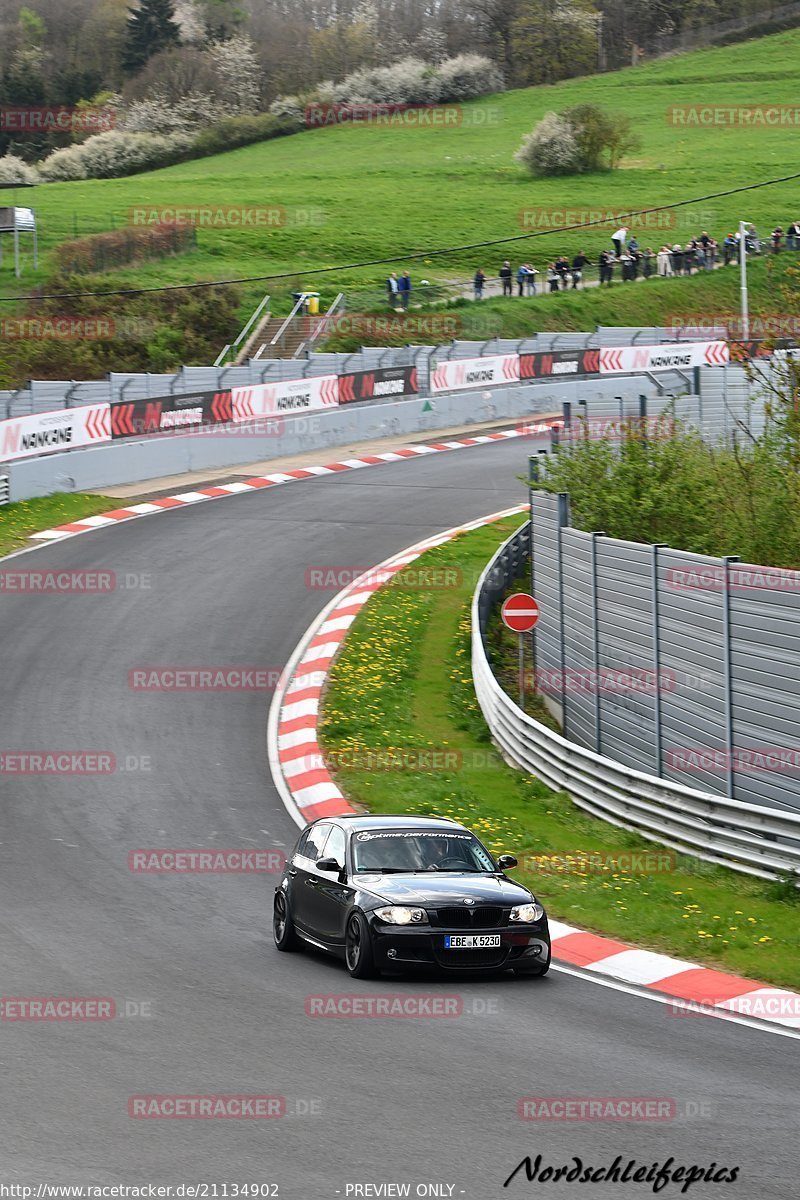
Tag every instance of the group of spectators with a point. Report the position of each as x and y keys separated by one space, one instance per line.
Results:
x=701 y=253
x=399 y=289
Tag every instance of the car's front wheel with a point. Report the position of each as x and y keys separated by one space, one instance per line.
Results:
x=358 y=948
x=282 y=924
x=534 y=972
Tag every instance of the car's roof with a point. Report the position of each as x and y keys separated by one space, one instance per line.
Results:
x=359 y=821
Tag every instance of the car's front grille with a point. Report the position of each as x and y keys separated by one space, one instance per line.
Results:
x=479 y=916
x=472 y=958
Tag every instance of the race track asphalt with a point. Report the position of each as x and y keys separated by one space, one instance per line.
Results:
x=417 y=1101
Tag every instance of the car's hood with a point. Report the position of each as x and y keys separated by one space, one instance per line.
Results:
x=448 y=887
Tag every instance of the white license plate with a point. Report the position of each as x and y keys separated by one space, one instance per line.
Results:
x=471 y=941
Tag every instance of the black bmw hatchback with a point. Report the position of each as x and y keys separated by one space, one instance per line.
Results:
x=394 y=893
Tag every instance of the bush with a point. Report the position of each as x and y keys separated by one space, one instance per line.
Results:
x=409 y=81
x=583 y=138
x=242 y=131
x=105 y=251
x=115 y=153
x=16 y=170
x=551 y=149
x=469 y=75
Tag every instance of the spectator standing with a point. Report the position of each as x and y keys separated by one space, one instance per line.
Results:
x=552 y=277
x=712 y=249
x=619 y=240
x=793 y=236
x=664 y=262
x=677 y=258
x=700 y=256
x=522 y=275
x=633 y=245
x=562 y=266
x=648 y=258
x=578 y=263
x=777 y=238
x=391 y=290
x=505 y=276
x=530 y=281
x=478 y=282
x=730 y=249
x=689 y=256
x=606 y=265
x=404 y=288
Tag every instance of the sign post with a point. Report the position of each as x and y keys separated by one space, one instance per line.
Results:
x=520 y=613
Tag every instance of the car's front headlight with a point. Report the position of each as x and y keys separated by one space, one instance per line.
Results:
x=527 y=913
x=396 y=914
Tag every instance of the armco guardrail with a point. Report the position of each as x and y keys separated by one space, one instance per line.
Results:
x=755 y=840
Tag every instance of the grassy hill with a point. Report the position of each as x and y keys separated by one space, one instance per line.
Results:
x=399 y=190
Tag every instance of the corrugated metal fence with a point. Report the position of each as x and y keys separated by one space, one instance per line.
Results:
x=672 y=663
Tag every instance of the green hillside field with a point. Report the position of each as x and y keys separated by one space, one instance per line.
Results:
x=361 y=192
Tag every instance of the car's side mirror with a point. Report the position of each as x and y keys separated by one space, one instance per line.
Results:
x=328 y=864
x=504 y=863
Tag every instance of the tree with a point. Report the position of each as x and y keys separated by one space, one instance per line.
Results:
x=583 y=138
x=551 y=149
x=603 y=138
x=552 y=40
x=151 y=28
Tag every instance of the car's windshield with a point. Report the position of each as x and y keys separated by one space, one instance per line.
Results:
x=395 y=850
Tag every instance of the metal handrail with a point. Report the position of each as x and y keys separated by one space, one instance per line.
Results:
x=315 y=333
x=243 y=332
x=750 y=838
x=279 y=335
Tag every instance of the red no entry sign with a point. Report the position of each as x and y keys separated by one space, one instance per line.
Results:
x=520 y=612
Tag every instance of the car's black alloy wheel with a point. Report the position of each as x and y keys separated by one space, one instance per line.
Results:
x=358 y=948
x=282 y=924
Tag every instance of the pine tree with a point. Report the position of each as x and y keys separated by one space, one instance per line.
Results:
x=151 y=28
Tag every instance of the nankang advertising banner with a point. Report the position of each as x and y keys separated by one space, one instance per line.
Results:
x=292 y=395
x=167 y=414
x=458 y=374
x=46 y=433
x=384 y=383
x=559 y=363
x=622 y=360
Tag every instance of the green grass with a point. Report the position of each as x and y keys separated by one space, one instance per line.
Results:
x=19 y=521
x=402 y=681
x=400 y=190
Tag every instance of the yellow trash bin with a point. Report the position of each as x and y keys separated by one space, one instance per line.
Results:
x=313 y=302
